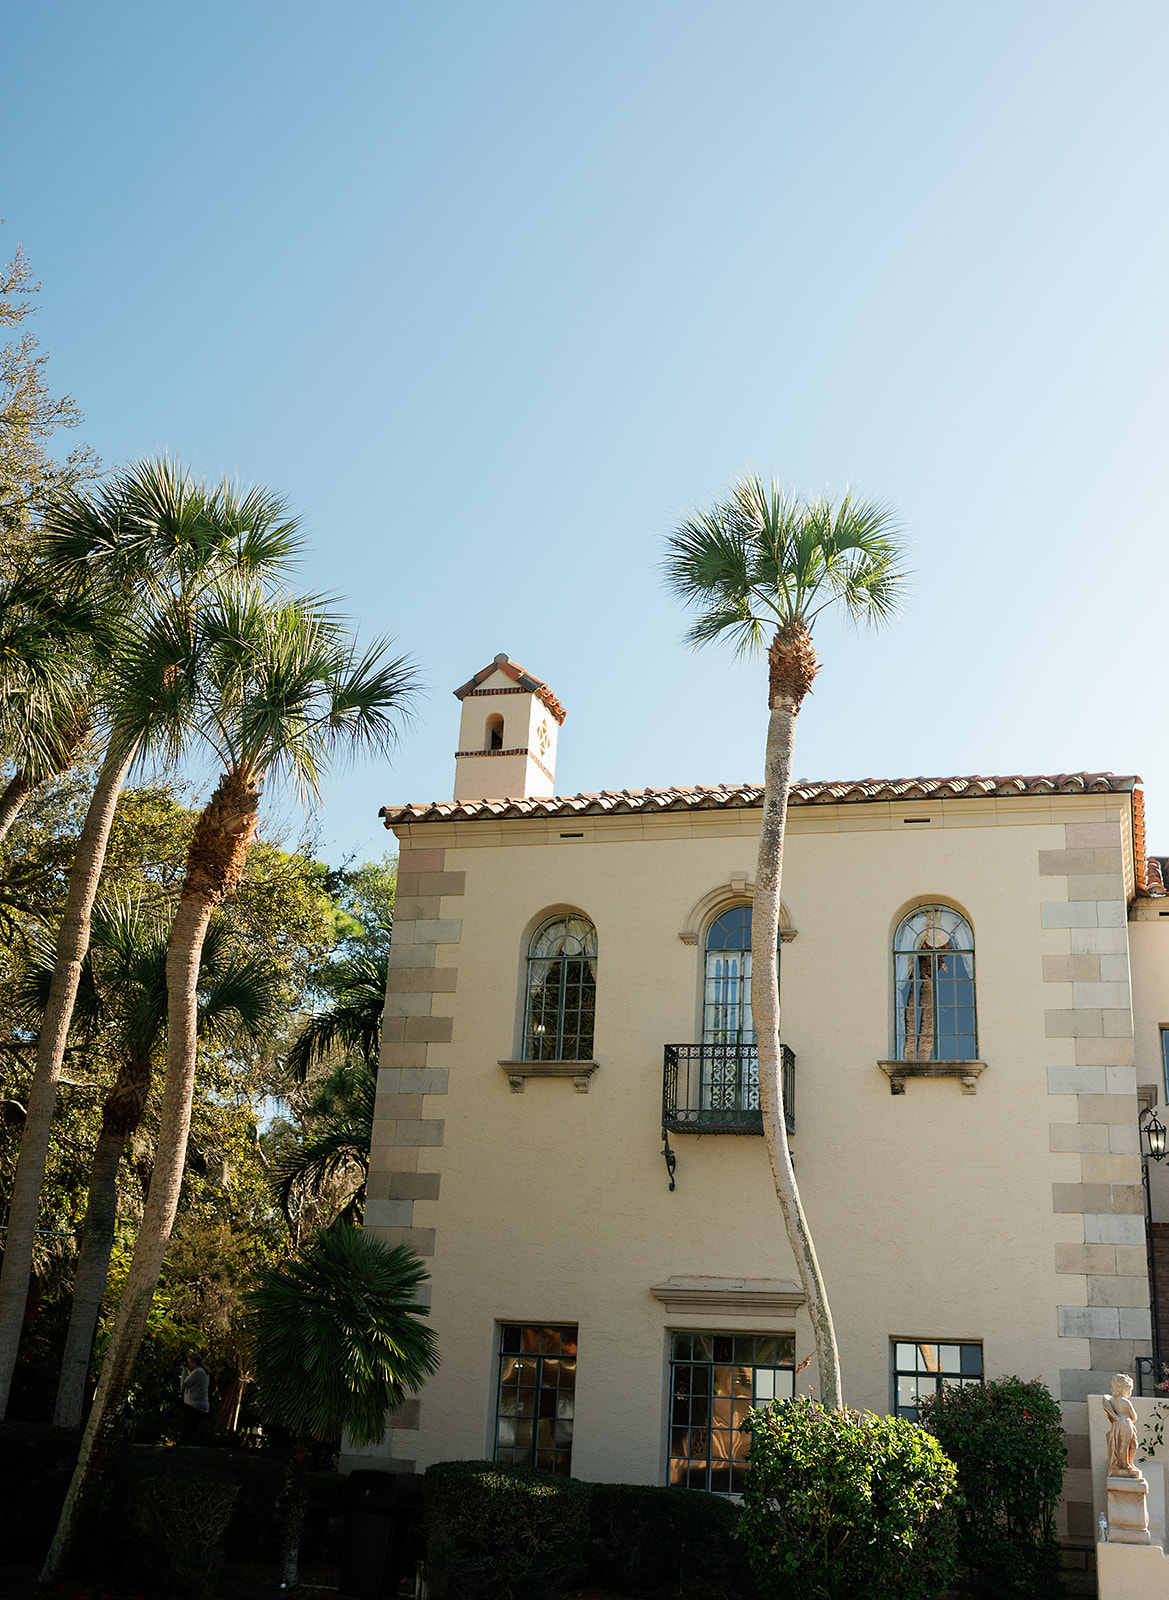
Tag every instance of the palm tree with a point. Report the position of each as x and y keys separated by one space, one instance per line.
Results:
x=338 y=1120
x=761 y=563
x=284 y=691
x=144 y=546
x=352 y=1023
x=238 y=999
x=338 y=1343
x=338 y=1114
x=46 y=665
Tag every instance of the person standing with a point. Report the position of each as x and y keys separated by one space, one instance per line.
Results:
x=196 y=1386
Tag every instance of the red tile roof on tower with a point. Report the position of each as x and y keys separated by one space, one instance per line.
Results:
x=518 y=675
x=1156 y=875
x=727 y=796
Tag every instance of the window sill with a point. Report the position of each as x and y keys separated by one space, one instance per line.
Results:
x=579 y=1071
x=967 y=1073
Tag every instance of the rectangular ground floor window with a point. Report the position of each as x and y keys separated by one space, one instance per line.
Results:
x=921 y=1369
x=535 y=1402
x=715 y=1379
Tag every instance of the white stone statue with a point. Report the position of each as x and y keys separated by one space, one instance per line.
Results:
x=1122 y=1429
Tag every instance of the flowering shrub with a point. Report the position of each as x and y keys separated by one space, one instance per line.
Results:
x=843 y=1504
x=1007 y=1440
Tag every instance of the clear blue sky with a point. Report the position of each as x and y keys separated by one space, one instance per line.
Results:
x=494 y=293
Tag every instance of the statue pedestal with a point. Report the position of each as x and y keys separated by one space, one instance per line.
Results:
x=1132 y=1572
x=1128 y=1511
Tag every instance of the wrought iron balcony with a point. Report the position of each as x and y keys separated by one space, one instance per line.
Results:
x=714 y=1088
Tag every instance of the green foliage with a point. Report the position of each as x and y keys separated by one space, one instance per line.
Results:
x=1153 y=1438
x=352 y=1023
x=321 y=1167
x=495 y=1533
x=178 y=1525
x=330 y=1161
x=363 y=901
x=680 y=1542
x=29 y=416
x=282 y=923
x=338 y=1335
x=1007 y=1440
x=839 y=1504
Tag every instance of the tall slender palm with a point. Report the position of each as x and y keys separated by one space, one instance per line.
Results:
x=146 y=545
x=285 y=691
x=757 y=564
x=337 y=1344
x=238 y=999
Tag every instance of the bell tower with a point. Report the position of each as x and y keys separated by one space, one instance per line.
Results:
x=507 y=735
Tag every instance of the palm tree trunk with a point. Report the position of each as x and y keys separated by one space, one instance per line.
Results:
x=16 y=791
x=226 y=1415
x=765 y=1009
x=182 y=972
x=215 y=864
x=297 y=1487
x=72 y=944
x=120 y=1118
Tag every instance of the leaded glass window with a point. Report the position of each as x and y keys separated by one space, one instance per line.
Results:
x=730 y=1072
x=562 y=991
x=537 y=1397
x=922 y=1369
x=933 y=958
x=715 y=1379
x=726 y=1010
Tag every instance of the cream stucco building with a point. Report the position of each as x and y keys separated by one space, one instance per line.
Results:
x=974 y=981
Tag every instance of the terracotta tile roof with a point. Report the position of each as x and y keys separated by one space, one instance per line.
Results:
x=517 y=674
x=728 y=796
x=1156 y=875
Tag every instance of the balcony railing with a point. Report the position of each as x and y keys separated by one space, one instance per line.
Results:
x=714 y=1088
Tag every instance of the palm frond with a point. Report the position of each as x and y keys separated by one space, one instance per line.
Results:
x=352 y=1023
x=264 y=532
x=761 y=559
x=291 y=694
x=338 y=1335
x=47 y=641
x=339 y=1117
x=323 y=1156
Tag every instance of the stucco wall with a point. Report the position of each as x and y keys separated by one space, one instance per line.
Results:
x=938 y=1215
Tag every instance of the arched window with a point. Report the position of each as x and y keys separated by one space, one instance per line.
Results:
x=562 y=991
x=933 y=977
x=494 y=732
x=726 y=1000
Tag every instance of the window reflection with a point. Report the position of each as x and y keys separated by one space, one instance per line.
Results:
x=715 y=1380
x=933 y=962
x=536 y=1397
